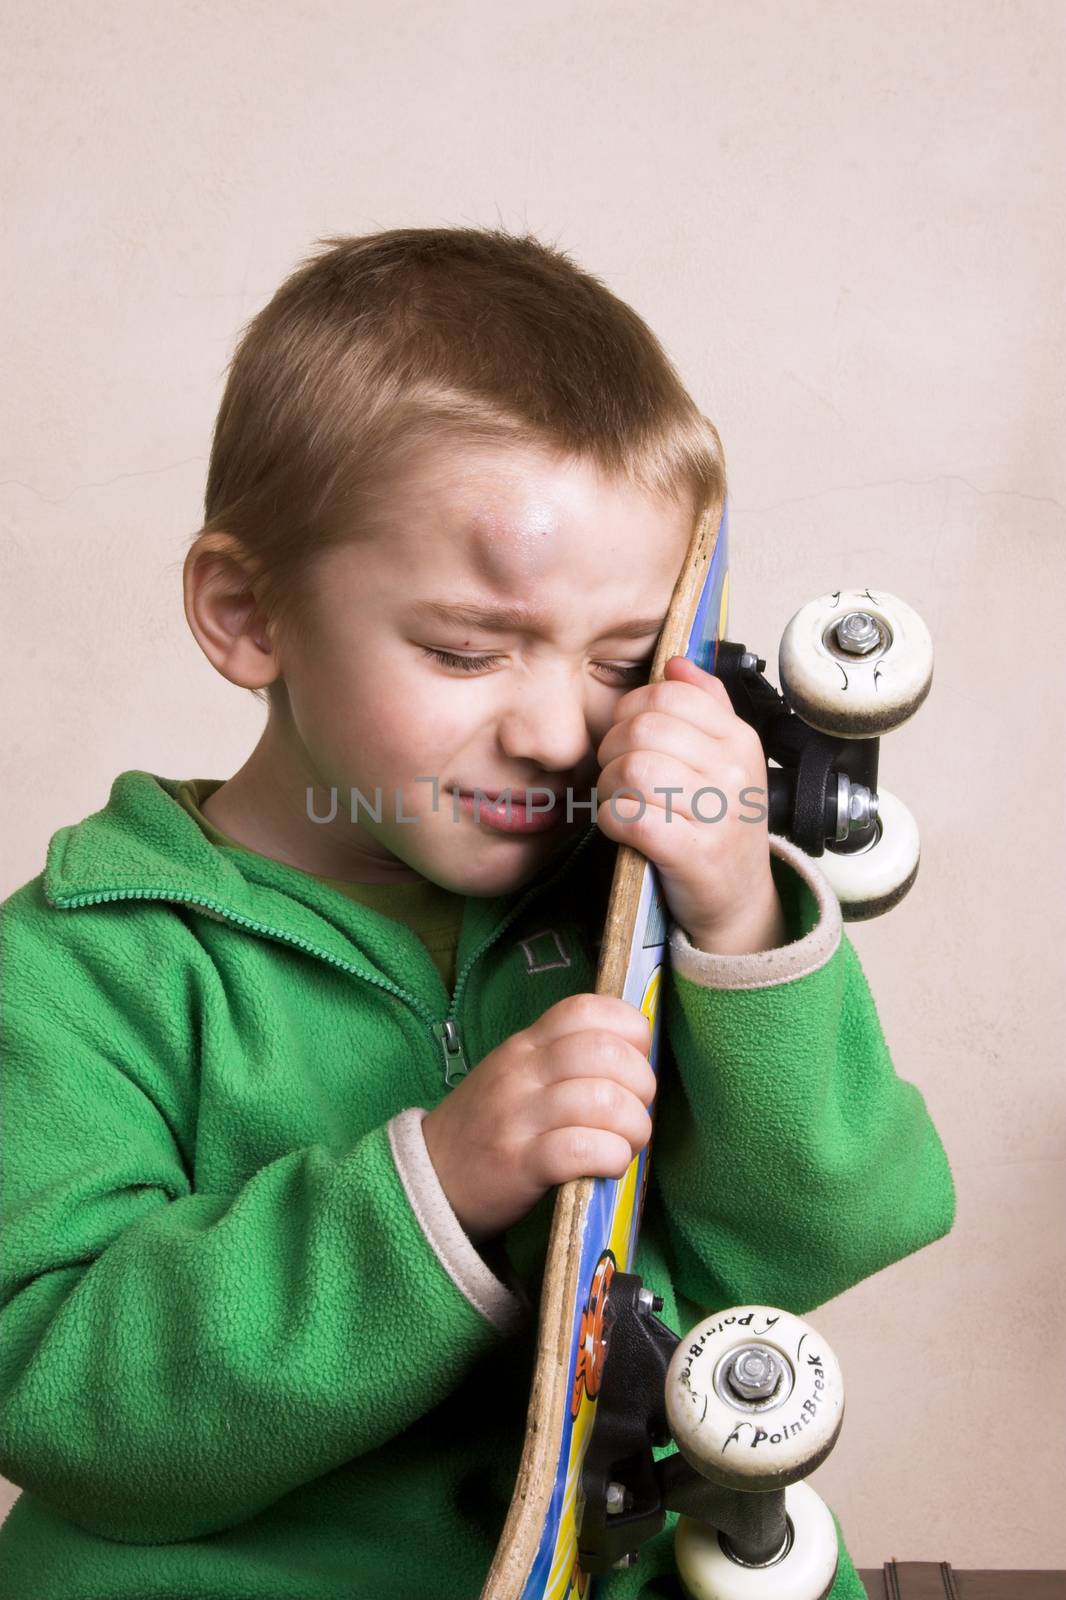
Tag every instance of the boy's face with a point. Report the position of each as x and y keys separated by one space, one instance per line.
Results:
x=371 y=708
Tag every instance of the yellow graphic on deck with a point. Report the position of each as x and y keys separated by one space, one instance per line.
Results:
x=650 y=1003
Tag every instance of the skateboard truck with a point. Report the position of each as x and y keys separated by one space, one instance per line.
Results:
x=823 y=789
x=753 y=1399
x=853 y=665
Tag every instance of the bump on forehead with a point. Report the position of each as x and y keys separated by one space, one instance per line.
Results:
x=506 y=504
x=507 y=547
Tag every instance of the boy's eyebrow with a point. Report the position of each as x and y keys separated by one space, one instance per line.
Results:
x=521 y=617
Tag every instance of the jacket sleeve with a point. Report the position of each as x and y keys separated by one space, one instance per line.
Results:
x=174 y=1361
x=790 y=1159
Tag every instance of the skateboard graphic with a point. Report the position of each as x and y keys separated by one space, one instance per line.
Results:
x=752 y=1396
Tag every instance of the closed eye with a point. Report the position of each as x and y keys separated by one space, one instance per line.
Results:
x=628 y=672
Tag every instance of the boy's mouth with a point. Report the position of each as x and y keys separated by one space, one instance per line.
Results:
x=513 y=810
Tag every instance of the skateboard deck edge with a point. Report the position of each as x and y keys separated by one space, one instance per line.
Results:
x=520 y=1536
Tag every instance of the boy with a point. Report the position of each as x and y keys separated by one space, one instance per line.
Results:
x=289 y=1080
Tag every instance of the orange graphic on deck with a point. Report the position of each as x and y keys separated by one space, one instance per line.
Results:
x=579 y=1582
x=592 y=1346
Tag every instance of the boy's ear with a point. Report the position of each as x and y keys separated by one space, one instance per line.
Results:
x=223 y=611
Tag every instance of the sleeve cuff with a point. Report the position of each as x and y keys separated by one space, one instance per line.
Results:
x=507 y=1309
x=811 y=909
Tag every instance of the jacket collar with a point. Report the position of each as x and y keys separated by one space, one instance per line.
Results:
x=144 y=845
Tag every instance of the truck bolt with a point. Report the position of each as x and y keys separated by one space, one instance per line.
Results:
x=753 y=1372
x=648 y=1302
x=858 y=633
x=856 y=807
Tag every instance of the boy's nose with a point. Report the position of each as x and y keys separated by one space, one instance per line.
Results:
x=548 y=727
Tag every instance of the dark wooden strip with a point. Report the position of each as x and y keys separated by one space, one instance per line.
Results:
x=938 y=1580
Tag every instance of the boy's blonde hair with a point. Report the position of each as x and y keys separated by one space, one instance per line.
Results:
x=380 y=343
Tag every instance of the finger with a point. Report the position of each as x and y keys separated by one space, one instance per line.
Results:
x=600 y=1055
x=645 y=727
x=564 y=1154
x=588 y=1012
x=668 y=735
x=590 y=1102
x=671 y=790
x=682 y=669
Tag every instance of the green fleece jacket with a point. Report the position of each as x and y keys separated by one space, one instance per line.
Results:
x=246 y=1349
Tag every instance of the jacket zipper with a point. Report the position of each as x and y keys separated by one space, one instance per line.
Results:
x=446 y=1033
x=455 y=1063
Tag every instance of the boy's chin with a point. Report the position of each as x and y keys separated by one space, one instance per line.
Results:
x=492 y=866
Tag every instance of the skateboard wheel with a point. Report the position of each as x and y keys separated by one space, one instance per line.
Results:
x=866 y=683
x=754 y=1398
x=870 y=881
x=804 y=1571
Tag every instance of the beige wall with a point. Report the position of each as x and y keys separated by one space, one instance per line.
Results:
x=845 y=219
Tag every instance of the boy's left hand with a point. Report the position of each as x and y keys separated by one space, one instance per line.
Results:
x=682 y=734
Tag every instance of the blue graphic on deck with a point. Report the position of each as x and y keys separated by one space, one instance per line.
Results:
x=655 y=928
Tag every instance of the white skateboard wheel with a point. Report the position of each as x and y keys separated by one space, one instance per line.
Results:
x=870 y=881
x=754 y=1398
x=852 y=693
x=805 y=1571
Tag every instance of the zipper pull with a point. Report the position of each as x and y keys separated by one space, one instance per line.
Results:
x=455 y=1063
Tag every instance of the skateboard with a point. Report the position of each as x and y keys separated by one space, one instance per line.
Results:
x=610 y=1380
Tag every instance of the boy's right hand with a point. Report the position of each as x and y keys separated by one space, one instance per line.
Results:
x=563 y=1099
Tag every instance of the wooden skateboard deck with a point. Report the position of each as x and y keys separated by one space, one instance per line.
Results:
x=596 y=1220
